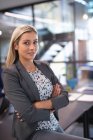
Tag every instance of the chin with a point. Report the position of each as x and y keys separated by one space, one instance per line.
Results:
x=30 y=58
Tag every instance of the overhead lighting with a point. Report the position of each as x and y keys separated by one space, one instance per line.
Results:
x=29 y=18
x=85 y=16
x=0 y=32
x=18 y=16
x=82 y=2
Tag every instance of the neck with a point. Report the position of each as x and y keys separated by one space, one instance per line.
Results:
x=29 y=65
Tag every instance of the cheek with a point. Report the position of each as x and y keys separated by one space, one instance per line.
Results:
x=21 y=50
x=36 y=51
x=37 y=48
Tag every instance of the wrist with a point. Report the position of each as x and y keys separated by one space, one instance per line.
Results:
x=46 y=104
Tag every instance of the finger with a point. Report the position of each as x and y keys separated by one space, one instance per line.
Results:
x=54 y=90
x=58 y=90
x=58 y=86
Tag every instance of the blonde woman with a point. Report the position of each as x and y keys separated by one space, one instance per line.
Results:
x=33 y=89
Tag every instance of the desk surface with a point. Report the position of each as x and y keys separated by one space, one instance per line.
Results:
x=74 y=110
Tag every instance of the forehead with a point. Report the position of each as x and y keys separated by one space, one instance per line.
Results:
x=29 y=36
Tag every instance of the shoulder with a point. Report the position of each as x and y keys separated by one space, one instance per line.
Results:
x=9 y=73
x=11 y=69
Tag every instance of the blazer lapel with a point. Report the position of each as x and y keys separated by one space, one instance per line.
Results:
x=31 y=88
x=43 y=69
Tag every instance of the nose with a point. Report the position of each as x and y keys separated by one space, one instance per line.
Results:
x=31 y=47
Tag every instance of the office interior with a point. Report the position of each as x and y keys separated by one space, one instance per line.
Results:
x=65 y=29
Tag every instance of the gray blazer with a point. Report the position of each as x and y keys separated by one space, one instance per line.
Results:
x=22 y=92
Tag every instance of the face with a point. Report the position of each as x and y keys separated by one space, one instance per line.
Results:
x=27 y=46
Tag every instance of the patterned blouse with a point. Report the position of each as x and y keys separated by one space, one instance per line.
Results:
x=45 y=88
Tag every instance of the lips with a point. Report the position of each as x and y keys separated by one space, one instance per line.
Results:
x=31 y=53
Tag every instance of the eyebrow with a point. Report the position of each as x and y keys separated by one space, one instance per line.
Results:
x=30 y=40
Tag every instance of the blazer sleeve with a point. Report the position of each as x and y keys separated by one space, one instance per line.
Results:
x=61 y=100
x=20 y=101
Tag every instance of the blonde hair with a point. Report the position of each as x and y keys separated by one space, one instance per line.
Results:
x=12 y=55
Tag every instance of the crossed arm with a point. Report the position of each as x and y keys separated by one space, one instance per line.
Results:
x=32 y=111
x=47 y=104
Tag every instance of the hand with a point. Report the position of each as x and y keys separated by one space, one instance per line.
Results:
x=56 y=90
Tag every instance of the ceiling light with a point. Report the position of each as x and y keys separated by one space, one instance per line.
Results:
x=29 y=18
x=18 y=16
x=85 y=16
x=83 y=2
x=0 y=32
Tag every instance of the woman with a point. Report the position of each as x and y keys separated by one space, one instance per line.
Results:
x=33 y=89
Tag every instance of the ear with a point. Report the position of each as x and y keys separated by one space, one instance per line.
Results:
x=15 y=46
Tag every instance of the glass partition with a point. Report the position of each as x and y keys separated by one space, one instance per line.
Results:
x=65 y=33
x=54 y=16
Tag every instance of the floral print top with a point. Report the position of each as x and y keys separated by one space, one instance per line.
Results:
x=45 y=88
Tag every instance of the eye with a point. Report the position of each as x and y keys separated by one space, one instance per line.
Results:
x=35 y=42
x=26 y=43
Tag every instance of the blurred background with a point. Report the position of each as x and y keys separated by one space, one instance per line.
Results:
x=65 y=29
x=65 y=34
